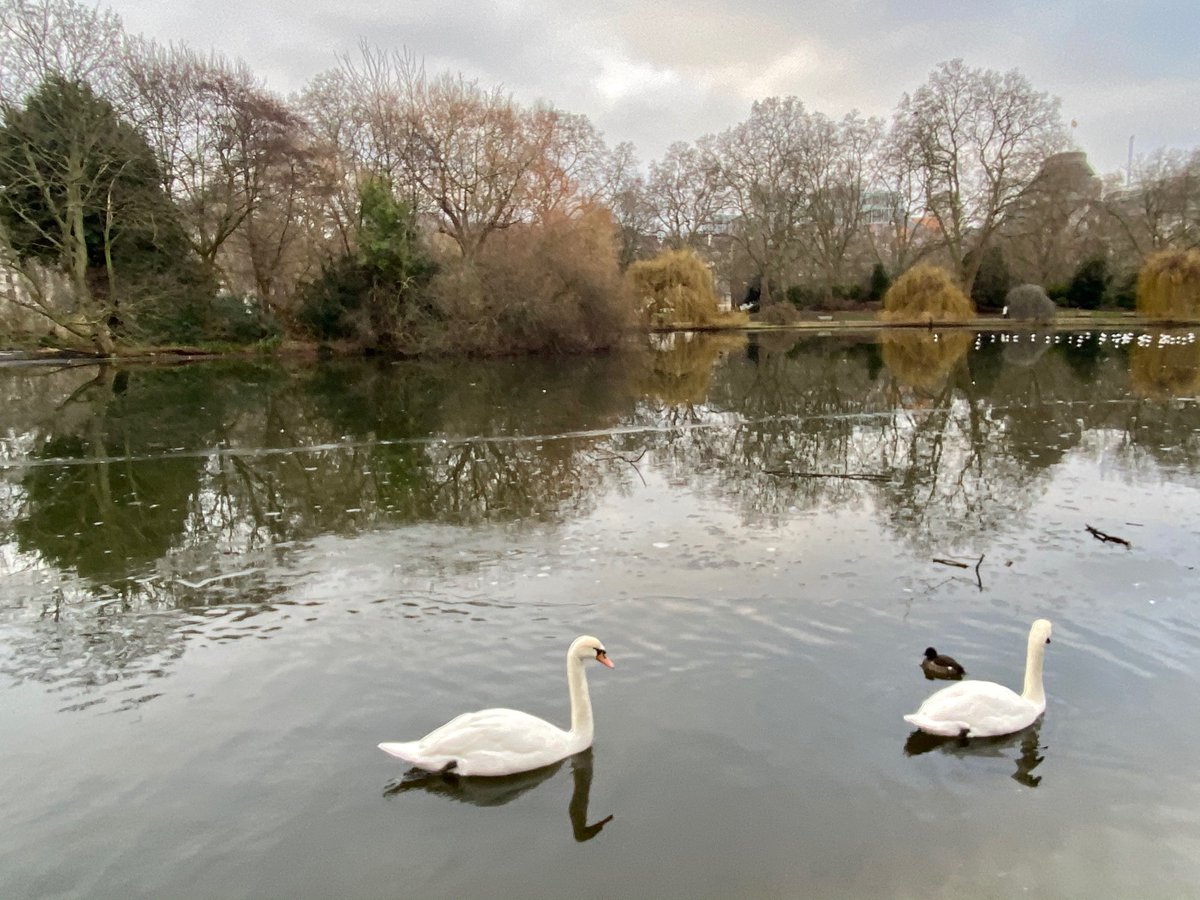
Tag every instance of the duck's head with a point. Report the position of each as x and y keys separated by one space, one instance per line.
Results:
x=930 y=653
x=587 y=647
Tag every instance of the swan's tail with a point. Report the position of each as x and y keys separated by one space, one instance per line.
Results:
x=936 y=726
x=405 y=751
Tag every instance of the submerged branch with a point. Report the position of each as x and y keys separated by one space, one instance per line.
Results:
x=1107 y=538
x=950 y=562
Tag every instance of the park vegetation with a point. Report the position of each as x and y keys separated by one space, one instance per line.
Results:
x=676 y=287
x=1168 y=286
x=926 y=293
x=159 y=195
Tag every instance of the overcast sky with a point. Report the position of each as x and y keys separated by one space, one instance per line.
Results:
x=658 y=71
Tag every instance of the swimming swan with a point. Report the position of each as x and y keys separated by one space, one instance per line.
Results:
x=938 y=665
x=506 y=741
x=984 y=708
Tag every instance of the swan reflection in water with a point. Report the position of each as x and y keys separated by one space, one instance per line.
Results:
x=1026 y=740
x=497 y=791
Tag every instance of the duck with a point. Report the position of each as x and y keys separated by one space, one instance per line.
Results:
x=496 y=742
x=984 y=708
x=938 y=665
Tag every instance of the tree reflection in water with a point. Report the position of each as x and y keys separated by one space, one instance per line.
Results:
x=1028 y=756
x=151 y=490
x=499 y=791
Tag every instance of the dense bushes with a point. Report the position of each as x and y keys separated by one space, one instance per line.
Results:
x=926 y=293
x=1089 y=284
x=554 y=287
x=1168 y=286
x=373 y=296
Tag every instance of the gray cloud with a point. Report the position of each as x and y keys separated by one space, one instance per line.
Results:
x=658 y=71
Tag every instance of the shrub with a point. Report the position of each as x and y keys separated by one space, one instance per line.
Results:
x=373 y=296
x=779 y=314
x=1029 y=303
x=1089 y=285
x=992 y=281
x=803 y=296
x=926 y=293
x=554 y=287
x=1168 y=286
x=675 y=288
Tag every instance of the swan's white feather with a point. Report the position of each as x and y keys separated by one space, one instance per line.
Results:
x=487 y=742
x=979 y=708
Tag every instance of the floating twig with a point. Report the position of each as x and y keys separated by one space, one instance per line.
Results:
x=1107 y=538
x=951 y=562
x=977 y=565
x=849 y=476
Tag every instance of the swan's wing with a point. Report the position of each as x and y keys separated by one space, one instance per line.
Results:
x=981 y=707
x=505 y=731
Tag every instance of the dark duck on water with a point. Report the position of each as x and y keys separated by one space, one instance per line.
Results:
x=938 y=665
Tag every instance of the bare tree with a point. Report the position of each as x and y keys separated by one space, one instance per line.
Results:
x=895 y=206
x=219 y=135
x=760 y=168
x=1160 y=208
x=686 y=192
x=980 y=138
x=41 y=38
x=834 y=178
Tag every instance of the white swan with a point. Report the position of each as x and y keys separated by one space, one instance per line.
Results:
x=506 y=741
x=984 y=708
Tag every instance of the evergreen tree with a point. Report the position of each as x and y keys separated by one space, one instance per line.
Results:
x=370 y=294
x=1089 y=284
x=879 y=283
x=993 y=280
x=81 y=193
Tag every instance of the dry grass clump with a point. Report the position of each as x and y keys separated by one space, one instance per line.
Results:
x=1161 y=372
x=1030 y=303
x=1168 y=286
x=921 y=360
x=926 y=293
x=676 y=288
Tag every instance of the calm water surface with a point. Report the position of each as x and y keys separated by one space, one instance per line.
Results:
x=222 y=584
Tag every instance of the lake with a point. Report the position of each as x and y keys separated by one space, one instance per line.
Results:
x=223 y=583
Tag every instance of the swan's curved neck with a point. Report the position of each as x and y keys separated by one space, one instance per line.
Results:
x=1034 y=691
x=581 y=702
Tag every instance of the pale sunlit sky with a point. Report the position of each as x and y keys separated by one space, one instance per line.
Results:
x=658 y=71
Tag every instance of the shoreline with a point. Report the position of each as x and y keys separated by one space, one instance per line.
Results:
x=313 y=351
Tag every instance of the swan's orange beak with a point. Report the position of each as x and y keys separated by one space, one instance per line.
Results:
x=604 y=660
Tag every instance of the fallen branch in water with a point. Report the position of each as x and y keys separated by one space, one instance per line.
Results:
x=977 y=565
x=1107 y=538
x=951 y=562
x=849 y=476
